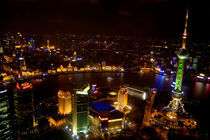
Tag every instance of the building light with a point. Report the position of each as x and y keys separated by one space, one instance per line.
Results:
x=26 y=85
x=144 y=96
x=20 y=58
x=3 y=91
x=201 y=74
x=103 y=119
x=17 y=86
x=115 y=120
x=200 y=77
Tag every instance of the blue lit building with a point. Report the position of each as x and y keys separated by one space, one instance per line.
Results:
x=105 y=117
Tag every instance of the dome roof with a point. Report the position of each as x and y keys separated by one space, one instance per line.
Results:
x=182 y=53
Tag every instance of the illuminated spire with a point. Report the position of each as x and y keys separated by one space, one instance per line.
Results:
x=184 y=37
x=182 y=54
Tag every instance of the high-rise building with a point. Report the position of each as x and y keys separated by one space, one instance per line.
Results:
x=74 y=57
x=148 y=107
x=6 y=132
x=62 y=116
x=80 y=105
x=23 y=108
x=64 y=102
x=122 y=97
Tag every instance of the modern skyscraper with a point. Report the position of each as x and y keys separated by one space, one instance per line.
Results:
x=23 y=108
x=6 y=132
x=122 y=97
x=148 y=107
x=64 y=102
x=80 y=105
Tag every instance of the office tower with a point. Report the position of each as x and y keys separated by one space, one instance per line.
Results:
x=64 y=102
x=122 y=97
x=148 y=107
x=23 y=108
x=6 y=132
x=80 y=105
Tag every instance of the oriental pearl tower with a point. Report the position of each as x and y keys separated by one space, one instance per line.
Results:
x=174 y=116
x=176 y=105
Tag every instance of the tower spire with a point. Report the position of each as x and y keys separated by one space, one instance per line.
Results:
x=184 y=37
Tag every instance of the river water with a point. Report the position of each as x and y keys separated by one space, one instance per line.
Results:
x=196 y=94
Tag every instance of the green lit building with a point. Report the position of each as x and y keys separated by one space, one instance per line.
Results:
x=80 y=105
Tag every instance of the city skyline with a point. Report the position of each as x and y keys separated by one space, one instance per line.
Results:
x=104 y=69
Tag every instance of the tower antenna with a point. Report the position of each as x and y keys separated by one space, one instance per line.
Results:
x=184 y=37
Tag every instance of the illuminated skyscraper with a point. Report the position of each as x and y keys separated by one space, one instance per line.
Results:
x=23 y=108
x=148 y=107
x=74 y=57
x=122 y=97
x=64 y=102
x=80 y=104
x=6 y=132
x=31 y=44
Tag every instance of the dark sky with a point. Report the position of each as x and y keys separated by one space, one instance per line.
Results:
x=162 y=19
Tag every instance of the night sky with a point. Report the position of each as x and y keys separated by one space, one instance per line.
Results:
x=155 y=19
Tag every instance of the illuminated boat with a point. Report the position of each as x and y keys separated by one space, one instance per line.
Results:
x=109 y=78
x=202 y=77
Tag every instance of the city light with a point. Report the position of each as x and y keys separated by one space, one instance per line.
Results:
x=103 y=119
x=3 y=91
x=73 y=43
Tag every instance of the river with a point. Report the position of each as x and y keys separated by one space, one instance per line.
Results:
x=196 y=94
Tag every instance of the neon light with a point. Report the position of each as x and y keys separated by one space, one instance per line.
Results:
x=103 y=119
x=3 y=91
x=26 y=85
x=115 y=120
x=200 y=77
x=201 y=74
x=20 y=58
x=17 y=86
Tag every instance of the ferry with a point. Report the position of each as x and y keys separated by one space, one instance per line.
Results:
x=202 y=77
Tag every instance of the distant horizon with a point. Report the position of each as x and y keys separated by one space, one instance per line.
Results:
x=155 y=19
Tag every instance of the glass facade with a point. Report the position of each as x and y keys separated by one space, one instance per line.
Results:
x=23 y=110
x=5 y=118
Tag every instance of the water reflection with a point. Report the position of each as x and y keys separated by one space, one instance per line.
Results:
x=50 y=86
x=207 y=90
x=198 y=89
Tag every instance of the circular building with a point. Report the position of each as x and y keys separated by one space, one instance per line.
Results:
x=64 y=102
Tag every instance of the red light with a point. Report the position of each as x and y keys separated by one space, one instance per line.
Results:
x=17 y=86
x=23 y=86
x=26 y=85
x=95 y=91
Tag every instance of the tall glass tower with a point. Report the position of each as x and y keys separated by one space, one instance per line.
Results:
x=80 y=105
x=6 y=132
